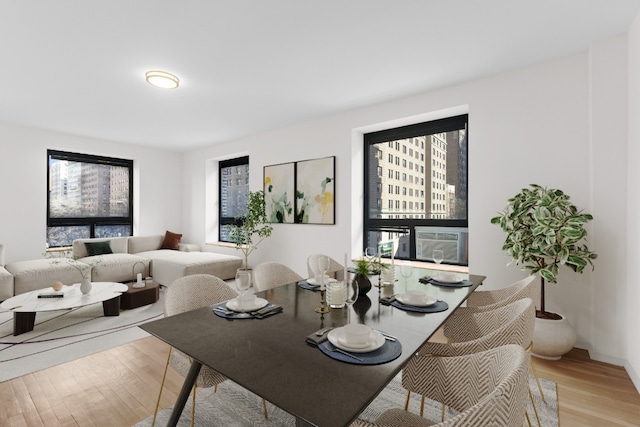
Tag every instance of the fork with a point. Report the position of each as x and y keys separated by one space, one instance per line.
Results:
x=330 y=347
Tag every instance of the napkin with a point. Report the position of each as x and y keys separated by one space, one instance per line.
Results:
x=267 y=311
x=316 y=340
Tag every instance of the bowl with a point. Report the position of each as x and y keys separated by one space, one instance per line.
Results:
x=356 y=334
x=416 y=297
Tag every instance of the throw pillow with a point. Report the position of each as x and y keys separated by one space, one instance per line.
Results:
x=98 y=248
x=171 y=241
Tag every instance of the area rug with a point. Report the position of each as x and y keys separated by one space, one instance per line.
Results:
x=233 y=406
x=65 y=335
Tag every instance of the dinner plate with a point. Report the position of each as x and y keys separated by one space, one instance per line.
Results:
x=337 y=338
x=256 y=304
x=448 y=279
x=403 y=299
x=312 y=281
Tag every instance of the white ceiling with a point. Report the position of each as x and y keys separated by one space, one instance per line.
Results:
x=247 y=66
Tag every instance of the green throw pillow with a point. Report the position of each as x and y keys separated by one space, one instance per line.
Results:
x=98 y=248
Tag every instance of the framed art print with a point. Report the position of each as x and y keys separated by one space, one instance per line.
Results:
x=279 y=192
x=315 y=191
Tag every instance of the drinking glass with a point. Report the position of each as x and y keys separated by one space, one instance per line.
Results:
x=243 y=283
x=353 y=290
x=438 y=256
x=406 y=271
x=323 y=266
x=370 y=253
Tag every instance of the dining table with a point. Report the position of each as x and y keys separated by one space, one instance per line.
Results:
x=273 y=358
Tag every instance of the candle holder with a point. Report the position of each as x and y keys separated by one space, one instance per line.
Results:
x=323 y=307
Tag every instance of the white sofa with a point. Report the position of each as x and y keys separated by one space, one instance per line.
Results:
x=129 y=256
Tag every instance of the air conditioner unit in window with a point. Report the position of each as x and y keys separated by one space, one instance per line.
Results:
x=451 y=241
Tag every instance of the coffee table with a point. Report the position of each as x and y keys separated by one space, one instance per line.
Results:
x=25 y=306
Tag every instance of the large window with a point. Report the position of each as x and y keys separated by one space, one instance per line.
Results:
x=88 y=196
x=428 y=161
x=234 y=186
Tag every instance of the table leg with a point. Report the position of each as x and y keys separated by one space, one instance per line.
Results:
x=23 y=322
x=111 y=307
x=189 y=381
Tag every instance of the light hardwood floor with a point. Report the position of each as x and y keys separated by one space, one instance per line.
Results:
x=119 y=387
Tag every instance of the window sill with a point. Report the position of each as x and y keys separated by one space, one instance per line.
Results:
x=222 y=244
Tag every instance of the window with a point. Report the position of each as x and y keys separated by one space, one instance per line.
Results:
x=436 y=217
x=234 y=186
x=87 y=196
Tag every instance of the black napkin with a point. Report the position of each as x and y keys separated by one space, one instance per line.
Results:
x=315 y=340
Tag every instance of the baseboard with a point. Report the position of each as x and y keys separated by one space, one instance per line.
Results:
x=605 y=358
x=633 y=374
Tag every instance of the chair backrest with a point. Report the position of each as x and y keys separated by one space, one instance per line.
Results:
x=195 y=291
x=488 y=388
x=1 y=255
x=511 y=324
x=487 y=300
x=336 y=270
x=269 y=275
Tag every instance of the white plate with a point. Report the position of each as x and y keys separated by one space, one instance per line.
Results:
x=403 y=299
x=256 y=304
x=448 y=279
x=336 y=337
x=312 y=281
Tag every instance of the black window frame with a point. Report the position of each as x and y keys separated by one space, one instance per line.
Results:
x=225 y=220
x=93 y=221
x=408 y=225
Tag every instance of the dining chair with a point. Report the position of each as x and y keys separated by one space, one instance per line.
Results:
x=269 y=275
x=473 y=332
x=336 y=270
x=486 y=388
x=494 y=298
x=185 y=294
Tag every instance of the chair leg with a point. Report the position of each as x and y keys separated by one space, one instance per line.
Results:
x=193 y=406
x=526 y=414
x=264 y=409
x=535 y=410
x=443 y=408
x=166 y=366
x=422 y=406
x=406 y=401
x=535 y=375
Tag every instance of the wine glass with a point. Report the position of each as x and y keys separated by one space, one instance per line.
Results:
x=243 y=283
x=438 y=256
x=370 y=253
x=353 y=291
x=323 y=266
x=406 y=271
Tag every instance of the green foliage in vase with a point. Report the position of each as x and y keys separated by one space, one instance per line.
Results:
x=545 y=231
x=255 y=226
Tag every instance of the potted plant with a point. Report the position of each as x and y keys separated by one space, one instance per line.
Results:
x=545 y=231
x=365 y=268
x=255 y=226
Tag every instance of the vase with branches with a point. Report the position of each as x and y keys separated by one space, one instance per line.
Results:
x=252 y=228
x=544 y=231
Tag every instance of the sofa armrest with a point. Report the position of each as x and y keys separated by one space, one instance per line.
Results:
x=188 y=247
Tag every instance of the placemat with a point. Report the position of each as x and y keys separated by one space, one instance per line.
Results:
x=435 y=308
x=389 y=351
x=431 y=280
x=266 y=311
x=306 y=285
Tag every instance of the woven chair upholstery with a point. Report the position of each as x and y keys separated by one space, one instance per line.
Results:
x=487 y=388
x=336 y=270
x=269 y=275
x=488 y=300
x=190 y=293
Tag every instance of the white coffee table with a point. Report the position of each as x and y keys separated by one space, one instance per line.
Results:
x=25 y=306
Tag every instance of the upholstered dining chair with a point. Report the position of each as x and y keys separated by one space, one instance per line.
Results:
x=269 y=275
x=494 y=298
x=336 y=270
x=185 y=294
x=473 y=332
x=488 y=388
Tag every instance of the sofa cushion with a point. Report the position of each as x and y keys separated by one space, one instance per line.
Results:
x=144 y=243
x=116 y=267
x=171 y=241
x=6 y=284
x=166 y=269
x=42 y=273
x=118 y=246
x=98 y=248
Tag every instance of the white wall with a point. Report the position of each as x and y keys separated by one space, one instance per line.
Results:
x=23 y=172
x=546 y=124
x=631 y=303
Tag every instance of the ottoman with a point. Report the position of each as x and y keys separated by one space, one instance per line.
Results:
x=137 y=297
x=179 y=264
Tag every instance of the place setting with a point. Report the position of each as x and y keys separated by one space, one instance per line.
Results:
x=245 y=305
x=356 y=343
x=415 y=301
x=315 y=283
x=446 y=279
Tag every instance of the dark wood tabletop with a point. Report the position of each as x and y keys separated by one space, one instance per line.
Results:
x=271 y=358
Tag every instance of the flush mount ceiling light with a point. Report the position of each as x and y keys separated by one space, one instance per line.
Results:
x=162 y=79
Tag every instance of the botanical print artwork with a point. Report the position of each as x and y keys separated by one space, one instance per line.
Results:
x=279 y=192
x=315 y=191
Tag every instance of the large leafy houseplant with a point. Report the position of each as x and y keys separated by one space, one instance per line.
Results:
x=254 y=228
x=545 y=231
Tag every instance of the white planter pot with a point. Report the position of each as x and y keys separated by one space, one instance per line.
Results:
x=552 y=338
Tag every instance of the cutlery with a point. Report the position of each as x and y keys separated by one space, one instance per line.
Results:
x=387 y=336
x=223 y=310
x=330 y=347
x=322 y=331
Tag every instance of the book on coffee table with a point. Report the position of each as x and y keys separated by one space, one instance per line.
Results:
x=55 y=294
